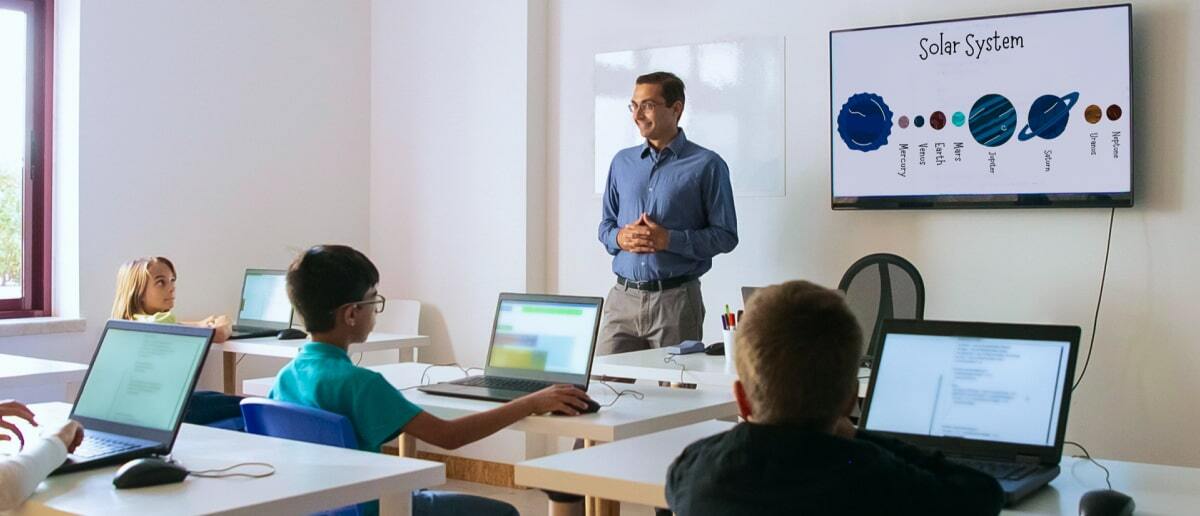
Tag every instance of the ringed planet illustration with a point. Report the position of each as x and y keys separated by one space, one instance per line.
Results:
x=1048 y=116
x=993 y=120
x=864 y=122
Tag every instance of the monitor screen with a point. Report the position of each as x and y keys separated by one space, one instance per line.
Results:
x=265 y=300
x=141 y=378
x=1021 y=110
x=986 y=389
x=544 y=336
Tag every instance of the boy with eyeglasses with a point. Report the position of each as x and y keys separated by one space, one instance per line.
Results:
x=334 y=288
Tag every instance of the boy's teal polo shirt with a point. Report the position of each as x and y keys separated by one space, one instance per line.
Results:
x=322 y=376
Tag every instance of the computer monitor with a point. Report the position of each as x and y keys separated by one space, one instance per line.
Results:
x=265 y=301
x=545 y=337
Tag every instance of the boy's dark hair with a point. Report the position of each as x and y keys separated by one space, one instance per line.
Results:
x=797 y=354
x=324 y=278
x=672 y=86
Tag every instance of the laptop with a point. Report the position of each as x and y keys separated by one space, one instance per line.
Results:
x=537 y=341
x=135 y=392
x=265 y=308
x=990 y=396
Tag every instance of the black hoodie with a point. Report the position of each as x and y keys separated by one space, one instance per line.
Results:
x=767 y=469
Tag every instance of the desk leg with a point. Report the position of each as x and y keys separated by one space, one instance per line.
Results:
x=416 y=356
x=229 y=370
x=396 y=504
x=407 y=446
x=596 y=506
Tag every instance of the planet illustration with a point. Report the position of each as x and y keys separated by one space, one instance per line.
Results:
x=865 y=122
x=1114 y=112
x=1092 y=114
x=1048 y=116
x=919 y=121
x=958 y=119
x=937 y=120
x=903 y=122
x=993 y=120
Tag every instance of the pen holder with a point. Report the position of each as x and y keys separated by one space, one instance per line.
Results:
x=728 y=337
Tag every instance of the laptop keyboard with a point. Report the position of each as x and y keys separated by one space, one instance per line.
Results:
x=498 y=382
x=999 y=470
x=96 y=446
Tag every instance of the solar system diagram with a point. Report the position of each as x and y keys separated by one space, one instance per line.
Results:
x=1025 y=104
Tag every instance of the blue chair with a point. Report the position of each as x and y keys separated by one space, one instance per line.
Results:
x=300 y=423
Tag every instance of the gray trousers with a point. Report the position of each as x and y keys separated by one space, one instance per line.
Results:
x=637 y=319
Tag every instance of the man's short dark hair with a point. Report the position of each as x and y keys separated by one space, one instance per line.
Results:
x=797 y=354
x=672 y=86
x=324 y=278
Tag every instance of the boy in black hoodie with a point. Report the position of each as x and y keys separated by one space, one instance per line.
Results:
x=797 y=452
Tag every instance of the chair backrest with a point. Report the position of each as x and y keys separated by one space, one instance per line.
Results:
x=401 y=316
x=882 y=286
x=298 y=423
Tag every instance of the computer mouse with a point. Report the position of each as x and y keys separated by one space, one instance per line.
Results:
x=148 y=471
x=716 y=348
x=1105 y=502
x=592 y=407
x=292 y=334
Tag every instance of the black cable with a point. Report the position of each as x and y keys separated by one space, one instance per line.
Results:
x=239 y=360
x=359 y=359
x=221 y=473
x=424 y=374
x=635 y=394
x=1096 y=317
x=1088 y=456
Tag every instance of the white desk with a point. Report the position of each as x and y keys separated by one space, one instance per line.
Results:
x=273 y=347
x=308 y=478
x=697 y=368
x=635 y=471
x=18 y=372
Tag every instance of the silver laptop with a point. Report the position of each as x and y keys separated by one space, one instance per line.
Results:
x=265 y=308
x=990 y=396
x=135 y=392
x=537 y=341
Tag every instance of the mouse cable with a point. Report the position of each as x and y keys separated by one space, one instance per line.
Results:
x=1088 y=456
x=635 y=394
x=221 y=473
x=359 y=359
x=1096 y=317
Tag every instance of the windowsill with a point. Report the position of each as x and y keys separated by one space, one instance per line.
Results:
x=41 y=326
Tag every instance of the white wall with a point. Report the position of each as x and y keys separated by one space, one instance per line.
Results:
x=221 y=136
x=1002 y=265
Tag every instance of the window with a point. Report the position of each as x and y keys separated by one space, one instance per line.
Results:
x=26 y=44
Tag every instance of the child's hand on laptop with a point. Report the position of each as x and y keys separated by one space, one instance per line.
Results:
x=70 y=433
x=562 y=398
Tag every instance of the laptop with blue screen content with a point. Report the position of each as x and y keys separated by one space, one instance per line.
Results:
x=990 y=396
x=265 y=309
x=136 y=391
x=537 y=341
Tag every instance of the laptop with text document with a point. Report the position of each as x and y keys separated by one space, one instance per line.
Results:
x=265 y=308
x=136 y=391
x=994 y=397
x=537 y=341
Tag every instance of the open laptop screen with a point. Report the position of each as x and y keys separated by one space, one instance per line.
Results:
x=970 y=387
x=141 y=378
x=544 y=336
x=265 y=302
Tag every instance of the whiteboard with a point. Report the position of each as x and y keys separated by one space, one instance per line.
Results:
x=734 y=106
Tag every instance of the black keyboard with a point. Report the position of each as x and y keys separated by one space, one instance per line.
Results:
x=999 y=470
x=93 y=446
x=509 y=384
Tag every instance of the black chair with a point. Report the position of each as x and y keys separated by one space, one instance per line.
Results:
x=882 y=286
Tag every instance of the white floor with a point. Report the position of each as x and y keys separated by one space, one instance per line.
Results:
x=530 y=502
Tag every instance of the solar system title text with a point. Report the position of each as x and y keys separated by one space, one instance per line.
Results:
x=974 y=46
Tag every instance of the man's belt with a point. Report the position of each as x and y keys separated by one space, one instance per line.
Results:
x=654 y=285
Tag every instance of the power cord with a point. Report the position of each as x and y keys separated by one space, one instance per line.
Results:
x=670 y=359
x=222 y=472
x=239 y=360
x=466 y=371
x=632 y=393
x=1088 y=456
x=1096 y=318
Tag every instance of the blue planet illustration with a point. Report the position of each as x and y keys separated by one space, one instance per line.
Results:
x=865 y=122
x=993 y=120
x=1048 y=116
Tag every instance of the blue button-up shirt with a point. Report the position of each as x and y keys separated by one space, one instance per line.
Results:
x=684 y=188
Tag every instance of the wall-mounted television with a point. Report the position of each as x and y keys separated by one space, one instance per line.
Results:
x=1022 y=110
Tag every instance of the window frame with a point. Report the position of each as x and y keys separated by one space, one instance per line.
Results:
x=36 y=264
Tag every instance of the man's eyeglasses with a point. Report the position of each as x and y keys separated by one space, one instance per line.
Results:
x=648 y=105
x=380 y=302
